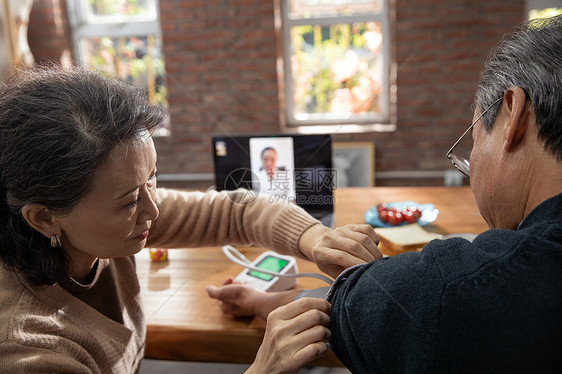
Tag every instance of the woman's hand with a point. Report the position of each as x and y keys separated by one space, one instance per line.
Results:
x=296 y=334
x=240 y=300
x=336 y=250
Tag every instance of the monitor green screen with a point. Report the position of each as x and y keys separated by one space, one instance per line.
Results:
x=269 y=263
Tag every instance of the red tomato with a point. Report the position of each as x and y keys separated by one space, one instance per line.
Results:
x=381 y=207
x=417 y=213
x=396 y=218
x=410 y=217
x=383 y=215
x=390 y=214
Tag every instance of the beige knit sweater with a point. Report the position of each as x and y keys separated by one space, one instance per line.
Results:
x=99 y=327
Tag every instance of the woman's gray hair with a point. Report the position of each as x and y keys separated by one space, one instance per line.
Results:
x=57 y=127
x=529 y=57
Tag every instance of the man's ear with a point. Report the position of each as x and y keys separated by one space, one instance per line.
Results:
x=39 y=217
x=519 y=114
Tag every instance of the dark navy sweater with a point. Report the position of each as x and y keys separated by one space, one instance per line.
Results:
x=490 y=306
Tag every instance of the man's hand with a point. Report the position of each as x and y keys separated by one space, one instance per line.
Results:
x=295 y=335
x=240 y=300
x=235 y=299
x=336 y=250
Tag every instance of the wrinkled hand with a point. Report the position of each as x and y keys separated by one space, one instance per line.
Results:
x=296 y=334
x=240 y=300
x=336 y=250
x=235 y=299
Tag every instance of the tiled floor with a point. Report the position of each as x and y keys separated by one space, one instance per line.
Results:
x=174 y=367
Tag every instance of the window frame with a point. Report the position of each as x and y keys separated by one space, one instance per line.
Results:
x=114 y=27
x=384 y=122
x=82 y=27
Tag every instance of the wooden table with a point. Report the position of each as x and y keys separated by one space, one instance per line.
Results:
x=183 y=323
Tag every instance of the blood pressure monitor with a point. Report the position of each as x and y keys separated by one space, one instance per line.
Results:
x=270 y=271
x=271 y=262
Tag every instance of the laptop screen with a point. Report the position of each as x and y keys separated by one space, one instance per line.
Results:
x=285 y=167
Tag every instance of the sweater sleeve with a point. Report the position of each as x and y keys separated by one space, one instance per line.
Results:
x=384 y=314
x=195 y=219
x=17 y=358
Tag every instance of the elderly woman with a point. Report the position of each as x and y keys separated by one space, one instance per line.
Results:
x=78 y=199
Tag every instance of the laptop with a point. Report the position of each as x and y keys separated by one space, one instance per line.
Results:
x=286 y=168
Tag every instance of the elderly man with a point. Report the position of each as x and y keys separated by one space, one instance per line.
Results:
x=493 y=304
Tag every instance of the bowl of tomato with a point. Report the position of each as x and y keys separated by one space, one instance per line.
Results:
x=400 y=213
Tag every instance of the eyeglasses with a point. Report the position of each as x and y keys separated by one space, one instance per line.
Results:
x=462 y=163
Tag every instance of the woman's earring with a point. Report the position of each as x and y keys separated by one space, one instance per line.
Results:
x=55 y=241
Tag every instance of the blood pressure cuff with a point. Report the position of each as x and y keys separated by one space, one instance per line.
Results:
x=317 y=293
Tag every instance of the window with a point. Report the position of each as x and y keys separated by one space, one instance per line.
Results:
x=543 y=8
x=336 y=65
x=121 y=38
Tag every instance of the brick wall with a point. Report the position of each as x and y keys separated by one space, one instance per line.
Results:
x=221 y=66
x=220 y=61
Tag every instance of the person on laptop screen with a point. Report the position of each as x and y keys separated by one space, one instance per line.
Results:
x=273 y=170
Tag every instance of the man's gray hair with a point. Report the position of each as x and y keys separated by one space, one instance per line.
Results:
x=530 y=57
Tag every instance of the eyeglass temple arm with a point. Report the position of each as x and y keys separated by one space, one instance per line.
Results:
x=462 y=136
x=471 y=126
